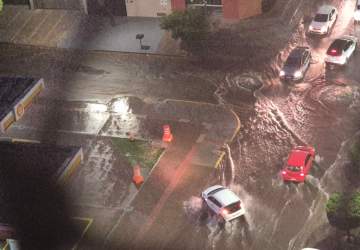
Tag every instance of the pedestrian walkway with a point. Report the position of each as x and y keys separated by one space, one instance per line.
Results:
x=74 y=29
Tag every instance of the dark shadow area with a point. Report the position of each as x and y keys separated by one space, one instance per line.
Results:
x=35 y=206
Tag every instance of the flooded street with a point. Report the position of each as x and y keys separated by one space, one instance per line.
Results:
x=91 y=98
x=322 y=111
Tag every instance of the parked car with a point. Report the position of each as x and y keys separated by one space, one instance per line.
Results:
x=357 y=12
x=296 y=64
x=298 y=164
x=223 y=202
x=340 y=50
x=324 y=20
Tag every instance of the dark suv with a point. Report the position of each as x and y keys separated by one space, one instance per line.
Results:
x=296 y=64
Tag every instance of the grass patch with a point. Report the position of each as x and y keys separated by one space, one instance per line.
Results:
x=137 y=151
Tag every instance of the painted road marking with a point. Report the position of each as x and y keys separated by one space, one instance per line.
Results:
x=21 y=28
x=180 y=171
x=54 y=27
x=39 y=25
x=89 y=221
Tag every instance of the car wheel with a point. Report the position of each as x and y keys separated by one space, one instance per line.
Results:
x=221 y=221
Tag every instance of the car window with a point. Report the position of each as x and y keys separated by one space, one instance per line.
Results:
x=232 y=208
x=307 y=159
x=347 y=46
x=293 y=168
x=305 y=57
x=333 y=12
x=213 y=200
x=321 y=18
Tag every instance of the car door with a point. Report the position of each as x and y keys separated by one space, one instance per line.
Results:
x=214 y=204
x=352 y=47
x=347 y=49
x=332 y=17
x=308 y=162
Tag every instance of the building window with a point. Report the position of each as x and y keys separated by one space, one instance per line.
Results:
x=211 y=3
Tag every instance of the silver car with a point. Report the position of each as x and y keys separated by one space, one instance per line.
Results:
x=324 y=20
x=223 y=202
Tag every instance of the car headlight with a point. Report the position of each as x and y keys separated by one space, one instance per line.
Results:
x=297 y=74
x=282 y=73
x=323 y=29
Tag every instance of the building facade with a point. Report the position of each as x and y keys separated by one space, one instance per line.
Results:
x=229 y=9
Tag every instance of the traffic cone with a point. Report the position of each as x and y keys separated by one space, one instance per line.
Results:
x=167 y=136
x=138 y=179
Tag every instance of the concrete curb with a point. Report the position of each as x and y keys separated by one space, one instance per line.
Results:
x=97 y=50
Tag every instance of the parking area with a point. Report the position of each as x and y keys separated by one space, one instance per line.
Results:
x=73 y=29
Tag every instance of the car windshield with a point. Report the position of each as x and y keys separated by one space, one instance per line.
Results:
x=232 y=208
x=215 y=191
x=293 y=61
x=321 y=18
x=293 y=168
x=336 y=47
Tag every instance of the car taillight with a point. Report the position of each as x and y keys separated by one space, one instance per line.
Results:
x=301 y=174
x=334 y=52
x=224 y=212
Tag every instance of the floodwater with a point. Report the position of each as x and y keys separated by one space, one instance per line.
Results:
x=322 y=111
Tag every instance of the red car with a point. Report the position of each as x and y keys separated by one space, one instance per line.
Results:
x=298 y=164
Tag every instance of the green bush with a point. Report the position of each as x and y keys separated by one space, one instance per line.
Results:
x=355 y=153
x=343 y=211
x=1 y=5
x=354 y=206
x=334 y=203
x=191 y=26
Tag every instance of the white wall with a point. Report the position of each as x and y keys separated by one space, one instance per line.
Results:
x=148 y=8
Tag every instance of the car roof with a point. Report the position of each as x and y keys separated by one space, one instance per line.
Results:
x=325 y=9
x=297 y=157
x=225 y=197
x=298 y=52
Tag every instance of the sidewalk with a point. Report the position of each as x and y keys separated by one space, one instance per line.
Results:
x=73 y=29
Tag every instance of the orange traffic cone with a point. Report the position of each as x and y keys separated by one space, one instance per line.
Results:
x=138 y=179
x=167 y=136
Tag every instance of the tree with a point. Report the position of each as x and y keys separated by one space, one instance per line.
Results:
x=1 y=5
x=191 y=26
x=343 y=211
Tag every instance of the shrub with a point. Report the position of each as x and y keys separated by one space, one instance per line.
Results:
x=343 y=211
x=355 y=153
x=191 y=26
x=1 y=5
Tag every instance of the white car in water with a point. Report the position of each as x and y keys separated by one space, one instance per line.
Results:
x=340 y=50
x=324 y=20
x=357 y=12
x=223 y=202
